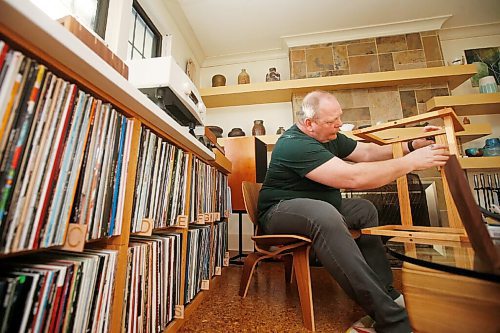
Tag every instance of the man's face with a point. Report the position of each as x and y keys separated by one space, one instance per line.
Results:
x=326 y=123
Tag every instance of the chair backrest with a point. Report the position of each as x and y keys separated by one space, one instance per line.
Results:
x=471 y=215
x=250 y=198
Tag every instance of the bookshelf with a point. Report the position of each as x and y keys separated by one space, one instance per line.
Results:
x=24 y=28
x=281 y=91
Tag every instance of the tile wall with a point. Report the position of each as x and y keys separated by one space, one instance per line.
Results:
x=370 y=106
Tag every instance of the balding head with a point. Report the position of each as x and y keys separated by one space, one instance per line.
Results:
x=311 y=104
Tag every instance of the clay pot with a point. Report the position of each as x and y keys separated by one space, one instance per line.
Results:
x=272 y=75
x=216 y=130
x=258 y=127
x=280 y=130
x=218 y=80
x=236 y=132
x=243 y=77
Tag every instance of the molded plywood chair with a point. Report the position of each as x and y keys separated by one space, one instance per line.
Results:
x=280 y=246
x=276 y=246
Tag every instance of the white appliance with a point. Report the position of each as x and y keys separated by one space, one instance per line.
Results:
x=164 y=82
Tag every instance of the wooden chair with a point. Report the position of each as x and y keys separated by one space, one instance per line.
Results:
x=280 y=246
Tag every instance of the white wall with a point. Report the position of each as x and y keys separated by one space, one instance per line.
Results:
x=174 y=41
x=274 y=116
x=256 y=69
x=454 y=43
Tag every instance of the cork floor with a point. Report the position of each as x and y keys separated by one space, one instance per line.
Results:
x=271 y=305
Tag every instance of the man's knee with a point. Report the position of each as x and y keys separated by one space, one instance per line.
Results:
x=370 y=213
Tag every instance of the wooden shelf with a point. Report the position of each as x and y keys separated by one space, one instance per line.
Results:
x=467 y=105
x=221 y=162
x=281 y=91
x=473 y=132
x=488 y=162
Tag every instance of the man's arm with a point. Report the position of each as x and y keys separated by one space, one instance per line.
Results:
x=364 y=175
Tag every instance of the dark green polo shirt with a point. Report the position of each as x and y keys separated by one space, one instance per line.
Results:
x=295 y=155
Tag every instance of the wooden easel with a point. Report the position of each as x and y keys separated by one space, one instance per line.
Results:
x=445 y=136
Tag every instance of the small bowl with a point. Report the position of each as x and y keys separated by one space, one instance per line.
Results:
x=491 y=151
x=346 y=127
x=474 y=152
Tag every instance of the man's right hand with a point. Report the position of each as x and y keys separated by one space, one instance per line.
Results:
x=427 y=157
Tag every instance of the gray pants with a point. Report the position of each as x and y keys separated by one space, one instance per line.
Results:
x=359 y=266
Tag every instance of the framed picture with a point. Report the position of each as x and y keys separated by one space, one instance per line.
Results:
x=487 y=61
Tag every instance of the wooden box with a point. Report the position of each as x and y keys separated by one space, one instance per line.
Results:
x=95 y=43
x=248 y=156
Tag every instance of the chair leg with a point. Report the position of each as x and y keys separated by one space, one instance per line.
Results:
x=250 y=262
x=303 y=277
x=288 y=261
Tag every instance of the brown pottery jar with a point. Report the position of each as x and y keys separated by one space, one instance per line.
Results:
x=236 y=132
x=258 y=127
x=218 y=80
x=243 y=77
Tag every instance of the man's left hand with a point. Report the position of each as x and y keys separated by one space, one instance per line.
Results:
x=424 y=142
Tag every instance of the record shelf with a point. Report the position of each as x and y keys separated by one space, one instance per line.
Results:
x=24 y=28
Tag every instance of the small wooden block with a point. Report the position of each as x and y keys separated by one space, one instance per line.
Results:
x=179 y=312
x=75 y=237
x=205 y=285
x=146 y=228
x=182 y=221
x=217 y=216
x=226 y=213
x=225 y=262
x=200 y=219
x=206 y=218
x=218 y=270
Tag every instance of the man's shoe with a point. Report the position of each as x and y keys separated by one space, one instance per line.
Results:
x=364 y=325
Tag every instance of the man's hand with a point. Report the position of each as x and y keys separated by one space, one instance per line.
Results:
x=424 y=142
x=431 y=156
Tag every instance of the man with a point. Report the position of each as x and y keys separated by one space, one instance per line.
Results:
x=300 y=195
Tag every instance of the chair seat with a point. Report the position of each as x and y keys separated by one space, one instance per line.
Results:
x=274 y=240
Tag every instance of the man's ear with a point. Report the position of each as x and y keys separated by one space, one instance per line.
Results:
x=308 y=124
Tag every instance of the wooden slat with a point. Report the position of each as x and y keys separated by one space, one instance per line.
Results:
x=408 y=233
x=403 y=191
x=454 y=220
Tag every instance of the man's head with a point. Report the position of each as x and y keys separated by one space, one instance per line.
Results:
x=319 y=116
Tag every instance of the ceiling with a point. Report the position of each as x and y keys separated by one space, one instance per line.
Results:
x=232 y=27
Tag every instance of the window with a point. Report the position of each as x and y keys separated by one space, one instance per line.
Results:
x=91 y=13
x=144 y=40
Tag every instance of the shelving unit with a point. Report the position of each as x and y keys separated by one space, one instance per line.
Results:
x=281 y=91
x=26 y=29
x=467 y=105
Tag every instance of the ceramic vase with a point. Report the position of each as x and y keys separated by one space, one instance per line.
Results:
x=236 y=132
x=243 y=77
x=258 y=127
x=272 y=75
x=218 y=80
x=280 y=130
